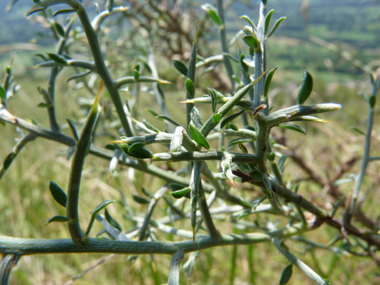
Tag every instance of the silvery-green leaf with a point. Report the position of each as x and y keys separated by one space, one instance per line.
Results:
x=196 y=117
x=175 y=267
x=226 y=167
x=176 y=142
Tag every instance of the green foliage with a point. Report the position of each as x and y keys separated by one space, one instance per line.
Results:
x=207 y=197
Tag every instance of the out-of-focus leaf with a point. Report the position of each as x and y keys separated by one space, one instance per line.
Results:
x=214 y=16
x=58 y=194
x=281 y=161
x=197 y=136
x=73 y=129
x=196 y=117
x=2 y=94
x=231 y=118
x=356 y=130
x=256 y=175
x=267 y=20
x=293 y=128
x=268 y=81
x=58 y=219
x=251 y=41
x=216 y=118
x=59 y=29
x=140 y=200
x=239 y=141
x=98 y=208
x=226 y=167
x=286 y=274
x=180 y=67
x=276 y=24
x=168 y=119
x=150 y=126
x=372 y=101
x=112 y=221
x=190 y=87
x=57 y=58
x=306 y=88
x=249 y=21
x=136 y=74
x=181 y=193
x=64 y=11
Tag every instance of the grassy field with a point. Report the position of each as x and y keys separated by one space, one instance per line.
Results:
x=26 y=204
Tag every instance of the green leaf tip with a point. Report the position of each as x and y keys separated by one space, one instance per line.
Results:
x=286 y=275
x=306 y=88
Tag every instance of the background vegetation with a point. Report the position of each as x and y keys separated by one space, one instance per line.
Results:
x=349 y=30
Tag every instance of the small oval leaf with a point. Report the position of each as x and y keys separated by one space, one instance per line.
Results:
x=58 y=194
x=180 y=193
x=306 y=88
x=190 y=87
x=180 y=67
x=140 y=200
x=286 y=274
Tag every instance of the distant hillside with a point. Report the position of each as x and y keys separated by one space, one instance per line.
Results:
x=352 y=21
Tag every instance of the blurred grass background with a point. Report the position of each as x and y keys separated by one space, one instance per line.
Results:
x=25 y=202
